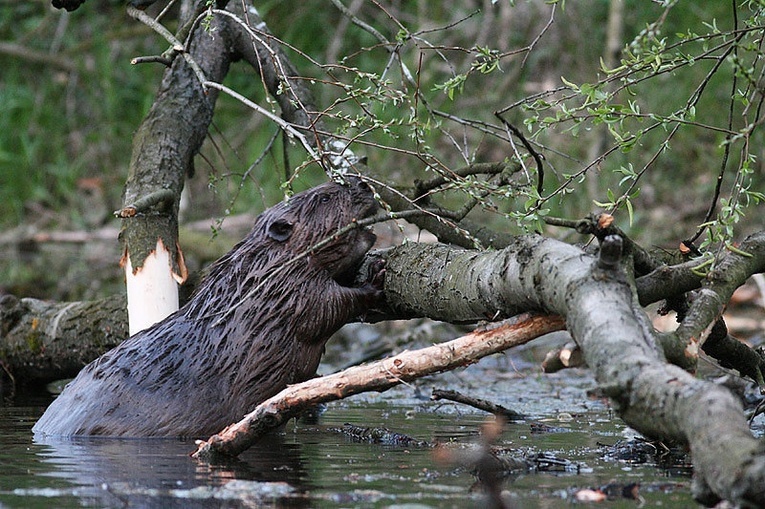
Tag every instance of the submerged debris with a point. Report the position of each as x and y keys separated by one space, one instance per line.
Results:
x=638 y=451
x=538 y=428
x=611 y=491
x=548 y=462
x=481 y=404
x=378 y=436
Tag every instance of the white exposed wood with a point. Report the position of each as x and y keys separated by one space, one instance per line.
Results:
x=152 y=291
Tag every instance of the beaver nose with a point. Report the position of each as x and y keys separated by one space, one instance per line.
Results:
x=363 y=186
x=358 y=185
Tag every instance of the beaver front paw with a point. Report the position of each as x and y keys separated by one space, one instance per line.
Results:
x=376 y=274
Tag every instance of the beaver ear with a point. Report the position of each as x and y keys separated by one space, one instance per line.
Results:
x=280 y=230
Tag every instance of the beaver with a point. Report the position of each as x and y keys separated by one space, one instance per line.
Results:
x=257 y=322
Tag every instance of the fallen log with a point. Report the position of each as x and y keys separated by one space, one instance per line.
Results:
x=603 y=315
x=43 y=341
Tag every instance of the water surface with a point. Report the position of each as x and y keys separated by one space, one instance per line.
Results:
x=311 y=466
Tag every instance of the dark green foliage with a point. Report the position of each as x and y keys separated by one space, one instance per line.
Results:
x=68 y=110
x=73 y=116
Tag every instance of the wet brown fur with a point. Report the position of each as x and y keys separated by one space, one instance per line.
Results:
x=187 y=375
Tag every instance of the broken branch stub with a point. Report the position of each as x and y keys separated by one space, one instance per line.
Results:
x=610 y=253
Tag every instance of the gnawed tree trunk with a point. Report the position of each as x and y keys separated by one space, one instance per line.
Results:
x=163 y=152
x=169 y=138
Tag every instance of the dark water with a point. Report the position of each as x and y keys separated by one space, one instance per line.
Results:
x=310 y=466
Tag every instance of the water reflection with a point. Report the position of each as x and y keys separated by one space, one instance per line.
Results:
x=160 y=473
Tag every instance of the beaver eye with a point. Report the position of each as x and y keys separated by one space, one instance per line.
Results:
x=324 y=198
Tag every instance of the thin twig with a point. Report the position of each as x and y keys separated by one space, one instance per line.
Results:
x=726 y=149
x=177 y=46
x=537 y=158
x=530 y=47
x=163 y=197
x=480 y=404
x=286 y=126
x=164 y=11
x=359 y=23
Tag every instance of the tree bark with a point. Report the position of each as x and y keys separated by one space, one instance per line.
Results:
x=43 y=341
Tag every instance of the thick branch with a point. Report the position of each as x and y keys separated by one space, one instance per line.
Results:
x=732 y=353
x=666 y=281
x=167 y=141
x=730 y=273
x=377 y=376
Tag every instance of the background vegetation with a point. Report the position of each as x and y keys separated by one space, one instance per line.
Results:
x=642 y=132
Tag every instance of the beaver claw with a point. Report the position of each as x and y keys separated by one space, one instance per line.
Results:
x=376 y=274
x=372 y=289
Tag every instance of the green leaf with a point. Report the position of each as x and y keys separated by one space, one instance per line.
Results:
x=572 y=86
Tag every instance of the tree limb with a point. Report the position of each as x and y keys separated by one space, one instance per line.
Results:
x=43 y=341
x=377 y=376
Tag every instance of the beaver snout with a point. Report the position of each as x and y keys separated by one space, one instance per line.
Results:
x=363 y=196
x=357 y=185
x=363 y=186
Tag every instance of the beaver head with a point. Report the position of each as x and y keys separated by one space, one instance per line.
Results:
x=313 y=217
x=291 y=242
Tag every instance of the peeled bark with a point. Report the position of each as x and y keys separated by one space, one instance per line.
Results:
x=376 y=376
